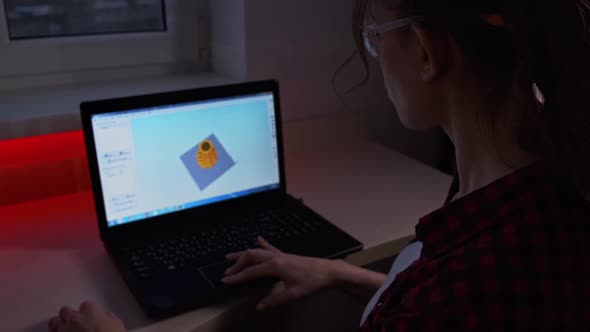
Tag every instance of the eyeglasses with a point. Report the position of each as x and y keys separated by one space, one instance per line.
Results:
x=373 y=33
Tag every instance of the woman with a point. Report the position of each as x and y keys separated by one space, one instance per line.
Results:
x=510 y=249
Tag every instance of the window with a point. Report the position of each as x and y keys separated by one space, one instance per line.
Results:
x=50 y=18
x=67 y=41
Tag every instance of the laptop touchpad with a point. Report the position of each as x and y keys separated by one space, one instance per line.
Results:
x=215 y=272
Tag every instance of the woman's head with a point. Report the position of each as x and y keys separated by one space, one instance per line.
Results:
x=528 y=59
x=449 y=47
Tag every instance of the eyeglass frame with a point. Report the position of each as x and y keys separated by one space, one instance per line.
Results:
x=494 y=20
x=373 y=29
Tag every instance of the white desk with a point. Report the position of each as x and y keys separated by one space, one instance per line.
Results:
x=50 y=253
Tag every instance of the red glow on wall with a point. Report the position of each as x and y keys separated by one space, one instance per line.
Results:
x=42 y=166
x=44 y=148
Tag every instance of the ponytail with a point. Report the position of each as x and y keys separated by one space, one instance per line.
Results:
x=555 y=53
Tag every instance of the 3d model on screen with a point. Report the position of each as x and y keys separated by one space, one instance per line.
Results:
x=207 y=161
x=207 y=155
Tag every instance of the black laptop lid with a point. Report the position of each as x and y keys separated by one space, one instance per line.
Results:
x=156 y=157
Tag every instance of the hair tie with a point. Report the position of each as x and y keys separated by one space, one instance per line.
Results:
x=494 y=20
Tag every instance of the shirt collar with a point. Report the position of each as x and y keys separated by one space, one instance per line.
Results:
x=462 y=219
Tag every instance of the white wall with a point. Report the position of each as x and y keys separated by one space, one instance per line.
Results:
x=228 y=38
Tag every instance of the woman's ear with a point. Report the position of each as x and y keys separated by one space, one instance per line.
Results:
x=434 y=53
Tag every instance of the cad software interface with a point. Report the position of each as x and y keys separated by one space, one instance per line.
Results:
x=169 y=158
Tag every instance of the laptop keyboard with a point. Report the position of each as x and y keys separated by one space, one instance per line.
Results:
x=209 y=246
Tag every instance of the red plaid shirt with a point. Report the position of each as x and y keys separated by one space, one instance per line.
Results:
x=514 y=255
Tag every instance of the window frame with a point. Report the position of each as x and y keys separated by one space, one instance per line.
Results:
x=162 y=8
x=20 y=57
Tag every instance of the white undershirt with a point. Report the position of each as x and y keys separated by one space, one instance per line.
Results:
x=406 y=258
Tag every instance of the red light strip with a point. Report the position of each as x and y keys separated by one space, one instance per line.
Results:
x=38 y=167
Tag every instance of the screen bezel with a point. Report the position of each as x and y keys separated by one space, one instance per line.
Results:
x=184 y=217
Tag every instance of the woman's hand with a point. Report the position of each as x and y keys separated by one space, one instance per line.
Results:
x=300 y=276
x=90 y=318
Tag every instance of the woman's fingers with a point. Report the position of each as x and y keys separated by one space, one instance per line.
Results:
x=251 y=273
x=91 y=309
x=66 y=314
x=234 y=256
x=265 y=245
x=250 y=257
x=261 y=242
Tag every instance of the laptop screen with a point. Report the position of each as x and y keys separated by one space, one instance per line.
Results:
x=164 y=159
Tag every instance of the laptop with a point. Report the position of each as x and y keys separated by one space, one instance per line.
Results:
x=181 y=179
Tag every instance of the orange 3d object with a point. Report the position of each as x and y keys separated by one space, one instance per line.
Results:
x=207 y=155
